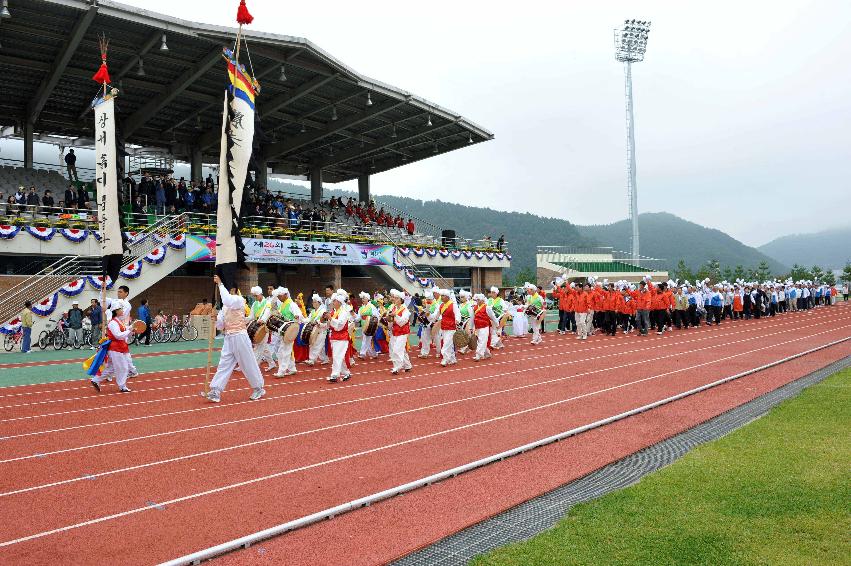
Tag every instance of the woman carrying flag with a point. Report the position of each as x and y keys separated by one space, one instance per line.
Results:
x=116 y=350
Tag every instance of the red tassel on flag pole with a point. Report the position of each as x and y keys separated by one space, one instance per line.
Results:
x=102 y=76
x=243 y=17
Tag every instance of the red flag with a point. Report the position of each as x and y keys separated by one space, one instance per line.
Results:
x=242 y=15
x=102 y=76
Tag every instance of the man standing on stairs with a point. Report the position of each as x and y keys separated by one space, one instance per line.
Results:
x=71 y=165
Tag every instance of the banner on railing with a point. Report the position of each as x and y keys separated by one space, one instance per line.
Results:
x=261 y=250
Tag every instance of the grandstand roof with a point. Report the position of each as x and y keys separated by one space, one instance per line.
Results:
x=50 y=51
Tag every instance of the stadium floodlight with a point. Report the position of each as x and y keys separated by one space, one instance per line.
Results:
x=630 y=47
x=163 y=46
x=334 y=113
x=369 y=99
x=470 y=138
x=140 y=72
x=393 y=135
x=303 y=128
x=429 y=121
x=283 y=77
x=5 y=13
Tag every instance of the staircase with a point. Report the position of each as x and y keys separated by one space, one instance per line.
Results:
x=399 y=279
x=71 y=268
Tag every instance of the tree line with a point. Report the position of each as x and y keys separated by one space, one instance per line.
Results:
x=762 y=272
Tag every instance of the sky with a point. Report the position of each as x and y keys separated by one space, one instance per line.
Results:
x=743 y=109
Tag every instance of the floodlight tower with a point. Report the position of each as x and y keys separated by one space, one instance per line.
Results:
x=630 y=46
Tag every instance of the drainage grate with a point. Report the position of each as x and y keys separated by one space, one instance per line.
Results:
x=536 y=515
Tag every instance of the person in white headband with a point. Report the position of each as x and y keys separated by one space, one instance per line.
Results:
x=339 y=323
x=399 y=330
x=366 y=313
x=316 y=348
x=484 y=319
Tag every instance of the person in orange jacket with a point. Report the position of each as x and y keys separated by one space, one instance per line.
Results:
x=643 y=297
x=659 y=306
x=581 y=301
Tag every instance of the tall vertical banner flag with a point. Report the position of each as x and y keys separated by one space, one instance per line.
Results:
x=109 y=222
x=236 y=146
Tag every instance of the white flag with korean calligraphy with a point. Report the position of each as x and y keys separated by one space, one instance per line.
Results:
x=106 y=178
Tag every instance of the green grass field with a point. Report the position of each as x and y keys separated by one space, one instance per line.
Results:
x=775 y=492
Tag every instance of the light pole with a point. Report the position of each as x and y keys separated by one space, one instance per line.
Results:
x=630 y=46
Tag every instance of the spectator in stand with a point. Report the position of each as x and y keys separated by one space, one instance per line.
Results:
x=189 y=198
x=70 y=199
x=210 y=182
x=138 y=209
x=144 y=315
x=292 y=216
x=207 y=201
x=47 y=201
x=26 y=327
x=21 y=200
x=410 y=227
x=160 y=196
x=95 y=314
x=75 y=326
x=33 y=201
x=130 y=185
x=500 y=243
x=82 y=198
x=71 y=164
x=11 y=205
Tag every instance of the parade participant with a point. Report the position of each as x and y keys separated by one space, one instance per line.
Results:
x=658 y=305
x=366 y=312
x=119 y=351
x=258 y=311
x=738 y=303
x=400 y=328
x=484 y=320
x=611 y=300
x=465 y=308
x=449 y=319
x=429 y=306
x=317 y=348
x=340 y=342
x=680 y=308
x=716 y=306
x=534 y=302
x=236 y=350
x=643 y=302
x=580 y=305
x=289 y=311
x=497 y=305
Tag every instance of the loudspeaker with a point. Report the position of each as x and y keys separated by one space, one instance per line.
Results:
x=447 y=238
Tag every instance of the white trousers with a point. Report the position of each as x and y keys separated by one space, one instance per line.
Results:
x=317 y=349
x=582 y=324
x=535 y=325
x=448 y=349
x=237 y=350
x=496 y=337
x=589 y=323
x=367 y=347
x=286 y=361
x=262 y=352
x=425 y=341
x=118 y=366
x=437 y=337
x=275 y=344
x=338 y=358
x=399 y=353
x=482 y=343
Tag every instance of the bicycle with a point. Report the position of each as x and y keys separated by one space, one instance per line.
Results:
x=54 y=336
x=12 y=339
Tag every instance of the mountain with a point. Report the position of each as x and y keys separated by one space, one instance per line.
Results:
x=672 y=238
x=829 y=249
x=663 y=235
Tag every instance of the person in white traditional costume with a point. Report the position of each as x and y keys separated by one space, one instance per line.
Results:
x=339 y=321
x=449 y=317
x=119 y=351
x=317 y=347
x=484 y=320
x=499 y=308
x=259 y=311
x=400 y=328
x=289 y=311
x=236 y=349
x=366 y=312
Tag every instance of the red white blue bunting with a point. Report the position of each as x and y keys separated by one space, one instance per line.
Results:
x=46 y=306
x=73 y=288
x=97 y=234
x=177 y=242
x=404 y=250
x=11 y=327
x=431 y=252
x=418 y=252
x=396 y=263
x=489 y=255
x=479 y=255
x=8 y=232
x=135 y=237
x=455 y=254
x=41 y=233
x=425 y=282
x=97 y=282
x=132 y=271
x=444 y=253
x=156 y=256
x=508 y=256
x=410 y=275
x=468 y=254
x=73 y=235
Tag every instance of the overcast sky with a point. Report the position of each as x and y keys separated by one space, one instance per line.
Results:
x=743 y=109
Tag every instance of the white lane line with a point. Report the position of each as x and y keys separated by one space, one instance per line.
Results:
x=384 y=416
x=353 y=455
x=709 y=336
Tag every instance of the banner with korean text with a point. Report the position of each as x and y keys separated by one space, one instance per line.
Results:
x=257 y=250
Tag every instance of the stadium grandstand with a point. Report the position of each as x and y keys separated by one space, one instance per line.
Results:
x=598 y=262
x=318 y=120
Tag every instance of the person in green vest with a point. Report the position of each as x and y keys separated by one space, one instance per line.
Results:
x=497 y=304
x=366 y=312
x=465 y=306
x=317 y=347
x=289 y=311
x=259 y=310
x=536 y=303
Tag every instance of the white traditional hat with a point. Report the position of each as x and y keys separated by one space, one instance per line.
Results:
x=479 y=297
x=494 y=290
x=396 y=293
x=446 y=292
x=464 y=293
x=379 y=297
x=316 y=298
x=256 y=290
x=282 y=291
x=338 y=297
x=363 y=295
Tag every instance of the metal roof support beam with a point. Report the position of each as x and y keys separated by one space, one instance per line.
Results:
x=134 y=59
x=66 y=52
x=174 y=90
x=301 y=140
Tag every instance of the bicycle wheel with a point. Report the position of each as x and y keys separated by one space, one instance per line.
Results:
x=189 y=333
x=87 y=338
x=9 y=342
x=166 y=334
x=43 y=339
x=175 y=333
x=58 y=340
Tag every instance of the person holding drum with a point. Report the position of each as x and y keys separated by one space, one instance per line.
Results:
x=317 y=337
x=484 y=320
x=339 y=322
x=465 y=307
x=497 y=305
x=401 y=327
x=119 y=350
x=236 y=349
x=449 y=319
x=291 y=315
x=368 y=315
x=257 y=315
x=535 y=311
x=429 y=308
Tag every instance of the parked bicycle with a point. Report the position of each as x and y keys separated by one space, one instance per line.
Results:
x=55 y=336
x=11 y=340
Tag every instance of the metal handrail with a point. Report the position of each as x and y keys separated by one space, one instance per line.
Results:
x=431 y=272
x=61 y=169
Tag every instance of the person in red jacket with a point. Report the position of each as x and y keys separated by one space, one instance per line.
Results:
x=609 y=304
x=449 y=318
x=643 y=302
x=659 y=305
x=410 y=227
x=580 y=305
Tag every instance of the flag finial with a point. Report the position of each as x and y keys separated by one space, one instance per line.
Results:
x=243 y=17
x=102 y=75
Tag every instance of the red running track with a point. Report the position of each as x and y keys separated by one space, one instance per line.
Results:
x=143 y=478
